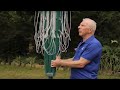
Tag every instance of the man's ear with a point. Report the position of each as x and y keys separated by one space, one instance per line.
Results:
x=90 y=30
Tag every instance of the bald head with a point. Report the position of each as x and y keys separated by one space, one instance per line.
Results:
x=91 y=23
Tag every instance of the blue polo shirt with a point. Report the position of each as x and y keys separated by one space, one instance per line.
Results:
x=91 y=50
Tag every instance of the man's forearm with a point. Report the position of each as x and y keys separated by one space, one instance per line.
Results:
x=71 y=63
x=67 y=60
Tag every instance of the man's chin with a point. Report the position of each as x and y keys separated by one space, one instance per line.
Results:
x=80 y=34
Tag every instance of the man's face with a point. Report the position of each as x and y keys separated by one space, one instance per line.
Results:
x=83 y=28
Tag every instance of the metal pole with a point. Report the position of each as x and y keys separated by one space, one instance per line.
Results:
x=50 y=71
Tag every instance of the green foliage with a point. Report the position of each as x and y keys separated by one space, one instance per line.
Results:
x=16 y=33
x=66 y=55
x=18 y=61
x=110 y=59
x=23 y=61
x=31 y=61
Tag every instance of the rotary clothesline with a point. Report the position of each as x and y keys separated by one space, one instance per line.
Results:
x=52 y=36
x=45 y=31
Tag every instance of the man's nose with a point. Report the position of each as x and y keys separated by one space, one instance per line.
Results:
x=78 y=27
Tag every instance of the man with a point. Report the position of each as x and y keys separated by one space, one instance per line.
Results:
x=86 y=61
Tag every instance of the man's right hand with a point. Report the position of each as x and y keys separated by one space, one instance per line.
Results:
x=56 y=62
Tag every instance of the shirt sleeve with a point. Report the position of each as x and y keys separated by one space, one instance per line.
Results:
x=91 y=52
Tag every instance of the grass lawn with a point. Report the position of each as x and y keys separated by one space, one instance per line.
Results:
x=15 y=72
